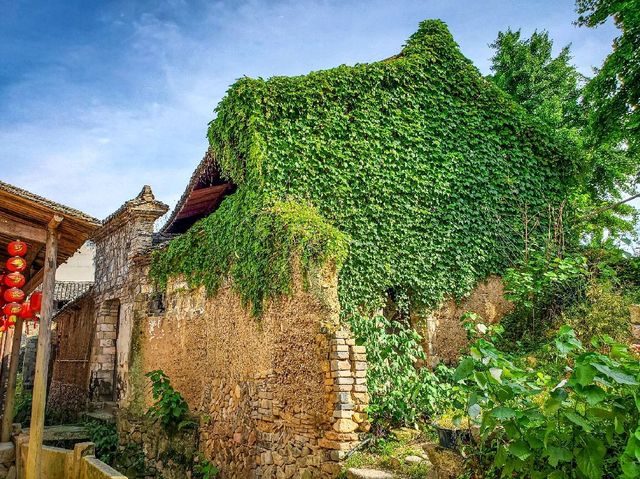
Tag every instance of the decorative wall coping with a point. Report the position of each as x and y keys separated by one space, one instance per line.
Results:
x=144 y=205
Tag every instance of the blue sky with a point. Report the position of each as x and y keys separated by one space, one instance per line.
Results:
x=99 y=98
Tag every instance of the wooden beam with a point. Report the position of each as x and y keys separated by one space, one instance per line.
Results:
x=33 y=282
x=6 y=350
x=39 y=398
x=11 y=227
x=33 y=253
x=7 y=415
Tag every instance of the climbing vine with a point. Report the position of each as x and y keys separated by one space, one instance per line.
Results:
x=411 y=173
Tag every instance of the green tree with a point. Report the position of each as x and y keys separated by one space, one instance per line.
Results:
x=553 y=89
x=614 y=92
x=546 y=86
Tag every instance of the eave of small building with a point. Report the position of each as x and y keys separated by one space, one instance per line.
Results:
x=203 y=195
x=23 y=210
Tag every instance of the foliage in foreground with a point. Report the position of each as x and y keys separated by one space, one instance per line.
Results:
x=401 y=392
x=580 y=419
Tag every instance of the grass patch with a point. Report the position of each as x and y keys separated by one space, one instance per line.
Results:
x=388 y=454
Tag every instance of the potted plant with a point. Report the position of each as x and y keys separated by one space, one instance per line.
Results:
x=453 y=428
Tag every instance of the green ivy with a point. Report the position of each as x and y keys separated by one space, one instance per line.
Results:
x=412 y=173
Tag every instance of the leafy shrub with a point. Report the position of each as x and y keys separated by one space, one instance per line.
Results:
x=204 y=469
x=605 y=311
x=22 y=405
x=105 y=436
x=541 y=288
x=170 y=407
x=582 y=422
x=401 y=392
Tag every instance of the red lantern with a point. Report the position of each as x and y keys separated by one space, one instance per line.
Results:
x=12 y=308
x=16 y=263
x=17 y=248
x=14 y=295
x=36 y=301
x=14 y=280
x=11 y=320
x=25 y=311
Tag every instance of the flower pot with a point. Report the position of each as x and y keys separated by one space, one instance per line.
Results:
x=452 y=438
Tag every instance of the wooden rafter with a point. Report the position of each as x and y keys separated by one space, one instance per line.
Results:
x=11 y=227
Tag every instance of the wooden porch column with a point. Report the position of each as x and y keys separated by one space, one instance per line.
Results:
x=39 y=401
x=6 y=350
x=7 y=417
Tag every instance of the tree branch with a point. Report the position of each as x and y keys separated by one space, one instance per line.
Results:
x=610 y=207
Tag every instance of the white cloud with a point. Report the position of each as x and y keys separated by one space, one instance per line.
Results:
x=91 y=141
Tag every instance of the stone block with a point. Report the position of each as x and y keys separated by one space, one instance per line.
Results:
x=342 y=380
x=340 y=355
x=7 y=453
x=345 y=425
x=337 y=365
x=354 y=473
x=342 y=414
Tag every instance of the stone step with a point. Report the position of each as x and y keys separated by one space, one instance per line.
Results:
x=103 y=415
x=354 y=473
x=7 y=453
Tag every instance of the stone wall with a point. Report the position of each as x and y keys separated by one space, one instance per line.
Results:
x=166 y=456
x=121 y=286
x=443 y=333
x=282 y=395
x=69 y=385
x=29 y=362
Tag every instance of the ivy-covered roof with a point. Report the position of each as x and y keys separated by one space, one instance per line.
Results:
x=413 y=174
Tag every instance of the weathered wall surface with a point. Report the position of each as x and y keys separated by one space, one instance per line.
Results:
x=280 y=395
x=121 y=286
x=75 y=326
x=443 y=333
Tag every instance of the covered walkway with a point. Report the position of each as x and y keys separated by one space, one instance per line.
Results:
x=52 y=232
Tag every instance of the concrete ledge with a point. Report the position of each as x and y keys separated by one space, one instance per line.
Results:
x=63 y=433
x=58 y=463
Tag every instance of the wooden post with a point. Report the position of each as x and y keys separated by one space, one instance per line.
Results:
x=7 y=417
x=39 y=401
x=6 y=351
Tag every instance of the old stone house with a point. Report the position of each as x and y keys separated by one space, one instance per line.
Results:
x=279 y=394
x=320 y=197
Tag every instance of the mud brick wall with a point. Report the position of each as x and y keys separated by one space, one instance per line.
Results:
x=444 y=337
x=75 y=325
x=282 y=395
